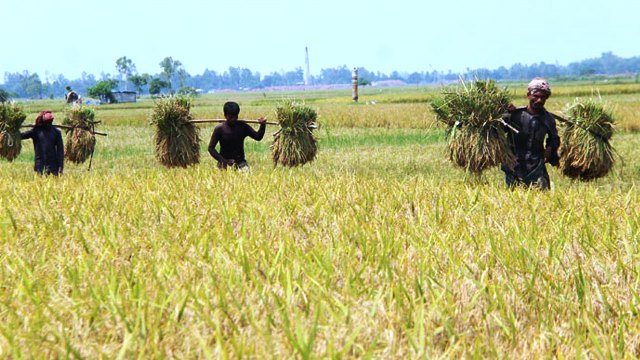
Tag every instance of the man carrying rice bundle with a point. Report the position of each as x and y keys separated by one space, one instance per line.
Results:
x=47 y=144
x=533 y=123
x=71 y=97
x=230 y=134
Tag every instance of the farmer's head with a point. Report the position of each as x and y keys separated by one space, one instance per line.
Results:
x=44 y=118
x=538 y=91
x=231 y=110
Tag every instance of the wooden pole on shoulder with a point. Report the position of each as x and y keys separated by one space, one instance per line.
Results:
x=202 y=121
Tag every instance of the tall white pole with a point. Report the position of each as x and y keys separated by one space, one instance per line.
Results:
x=306 y=74
x=354 y=84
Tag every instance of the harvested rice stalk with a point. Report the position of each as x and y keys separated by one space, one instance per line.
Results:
x=473 y=115
x=177 y=139
x=79 y=146
x=81 y=141
x=294 y=144
x=585 y=151
x=11 y=118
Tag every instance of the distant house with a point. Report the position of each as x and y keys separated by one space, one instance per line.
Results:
x=124 y=96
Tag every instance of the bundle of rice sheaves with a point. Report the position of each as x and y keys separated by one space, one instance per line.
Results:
x=11 y=118
x=177 y=140
x=585 y=151
x=81 y=141
x=476 y=135
x=294 y=144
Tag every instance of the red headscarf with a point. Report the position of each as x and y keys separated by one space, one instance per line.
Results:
x=44 y=118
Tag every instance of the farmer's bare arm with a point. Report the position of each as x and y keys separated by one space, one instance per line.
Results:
x=258 y=135
x=212 y=147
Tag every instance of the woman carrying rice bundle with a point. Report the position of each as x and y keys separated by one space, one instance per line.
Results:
x=473 y=113
x=534 y=124
x=47 y=144
x=586 y=153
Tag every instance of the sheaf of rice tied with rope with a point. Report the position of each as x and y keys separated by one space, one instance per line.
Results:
x=177 y=140
x=476 y=136
x=11 y=118
x=585 y=151
x=294 y=144
x=80 y=141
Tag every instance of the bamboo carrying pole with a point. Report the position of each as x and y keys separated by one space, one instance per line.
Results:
x=557 y=117
x=69 y=127
x=201 y=121
x=567 y=121
x=509 y=126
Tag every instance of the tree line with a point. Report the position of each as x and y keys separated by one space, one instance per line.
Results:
x=173 y=77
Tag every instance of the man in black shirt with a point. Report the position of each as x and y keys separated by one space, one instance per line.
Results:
x=534 y=123
x=47 y=144
x=230 y=134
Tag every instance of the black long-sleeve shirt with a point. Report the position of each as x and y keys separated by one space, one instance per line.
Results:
x=529 y=144
x=48 y=147
x=231 y=139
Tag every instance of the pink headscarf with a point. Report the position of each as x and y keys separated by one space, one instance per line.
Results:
x=539 y=84
x=45 y=117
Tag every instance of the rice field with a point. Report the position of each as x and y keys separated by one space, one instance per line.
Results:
x=379 y=248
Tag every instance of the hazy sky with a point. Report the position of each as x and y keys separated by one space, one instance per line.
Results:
x=69 y=37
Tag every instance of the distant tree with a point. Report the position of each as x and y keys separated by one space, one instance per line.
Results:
x=103 y=90
x=208 y=80
x=294 y=77
x=86 y=81
x=139 y=81
x=341 y=75
x=32 y=85
x=366 y=74
x=182 y=77
x=187 y=90
x=517 y=71
x=415 y=78
x=169 y=68
x=126 y=68
x=273 y=79
x=232 y=77
x=363 y=81
x=156 y=85
x=4 y=96
x=587 y=71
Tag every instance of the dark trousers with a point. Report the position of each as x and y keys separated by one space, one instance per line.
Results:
x=537 y=178
x=242 y=166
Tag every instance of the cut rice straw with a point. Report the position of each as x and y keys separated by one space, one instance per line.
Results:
x=476 y=133
x=585 y=149
x=11 y=118
x=177 y=139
